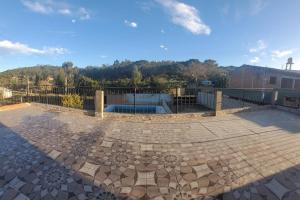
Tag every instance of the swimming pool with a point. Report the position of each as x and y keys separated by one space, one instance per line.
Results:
x=143 y=109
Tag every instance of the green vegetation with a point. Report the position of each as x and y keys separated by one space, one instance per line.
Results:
x=121 y=74
x=72 y=101
x=136 y=77
x=1 y=95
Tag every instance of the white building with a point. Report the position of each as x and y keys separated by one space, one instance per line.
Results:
x=5 y=93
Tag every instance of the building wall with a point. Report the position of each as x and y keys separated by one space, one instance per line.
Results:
x=260 y=78
x=5 y=93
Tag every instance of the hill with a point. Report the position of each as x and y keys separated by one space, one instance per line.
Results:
x=159 y=73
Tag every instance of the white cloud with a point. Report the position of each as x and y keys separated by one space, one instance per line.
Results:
x=56 y=7
x=255 y=60
x=73 y=21
x=131 y=24
x=186 y=16
x=225 y=9
x=19 y=48
x=283 y=53
x=38 y=6
x=257 y=6
x=146 y=6
x=65 y=11
x=84 y=14
x=163 y=47
x=261 y=45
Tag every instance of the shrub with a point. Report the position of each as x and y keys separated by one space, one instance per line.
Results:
x=72 y=101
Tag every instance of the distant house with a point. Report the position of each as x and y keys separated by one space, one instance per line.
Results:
x=50 y=79
x=248 y=76
x=5 y=93
x=207 y=83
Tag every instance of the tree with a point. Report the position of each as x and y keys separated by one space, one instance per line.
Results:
x=59 y=79
x=87 y=82
x=67 y=66
x=159 y=81
x=136 y=76
x=195 y=72
x=211 y=62
x=69 y=72
x=37 y=80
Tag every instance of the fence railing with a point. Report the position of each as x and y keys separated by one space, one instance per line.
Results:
x=288 y=98
x=148 y=100
x=136 y=100
x=245 y=97
x=117 y=99
x=76 y=97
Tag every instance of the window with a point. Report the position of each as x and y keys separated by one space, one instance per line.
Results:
x=273 y=80
x=287 y=83
x=297 y=84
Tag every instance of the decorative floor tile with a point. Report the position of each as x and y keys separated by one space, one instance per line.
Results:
x=146 y=147
x=106 y=144
x=278 y=189
x=148 y=160
x=21 y=197
x=146 y=131
x=88 y=188
x=202 y=170
x=54 y=154
x=145 y=178
x=16 y=183
x=125 y=190
x=75 y=137
x=164 y=190
x=89 y=169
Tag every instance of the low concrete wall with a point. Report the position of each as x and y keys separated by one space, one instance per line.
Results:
x=182 y=117
x=116 y=99
x=206 y=99
x=287 y=109
x=149 y=98
x=139 y=98
x=5 y=93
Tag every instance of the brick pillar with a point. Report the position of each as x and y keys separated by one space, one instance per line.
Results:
x=274 y=97
x=99 y=103
x=218 y=102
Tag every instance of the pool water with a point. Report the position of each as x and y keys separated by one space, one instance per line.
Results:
x=143 y=109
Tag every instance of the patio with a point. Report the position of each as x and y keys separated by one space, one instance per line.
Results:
x=50 y=154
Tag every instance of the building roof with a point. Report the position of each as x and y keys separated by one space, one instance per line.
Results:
x=270 y=70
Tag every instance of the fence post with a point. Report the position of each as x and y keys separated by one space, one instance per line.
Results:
x=27 y=90
x=176 y=100
x=274 y=97
x=218 y=102
x=134 y=100
x=99 y=103
x=47 y=95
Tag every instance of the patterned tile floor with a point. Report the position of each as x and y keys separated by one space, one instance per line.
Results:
x=46 y=154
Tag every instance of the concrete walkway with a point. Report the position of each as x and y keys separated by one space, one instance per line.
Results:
x=45 y=154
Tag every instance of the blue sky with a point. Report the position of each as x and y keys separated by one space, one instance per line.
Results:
x=95 y=32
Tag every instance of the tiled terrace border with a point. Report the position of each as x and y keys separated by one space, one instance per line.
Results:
x=50 y=154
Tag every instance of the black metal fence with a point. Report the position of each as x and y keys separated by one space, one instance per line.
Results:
x=245 y=97
x=148 y=100
x=75 y=97
x=152 y=100
x=135 y=100
x=117 y=99
x=288 y=98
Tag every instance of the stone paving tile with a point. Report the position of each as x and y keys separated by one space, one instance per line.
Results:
x=54 y=154
x=89 y=169
x=46 y=155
